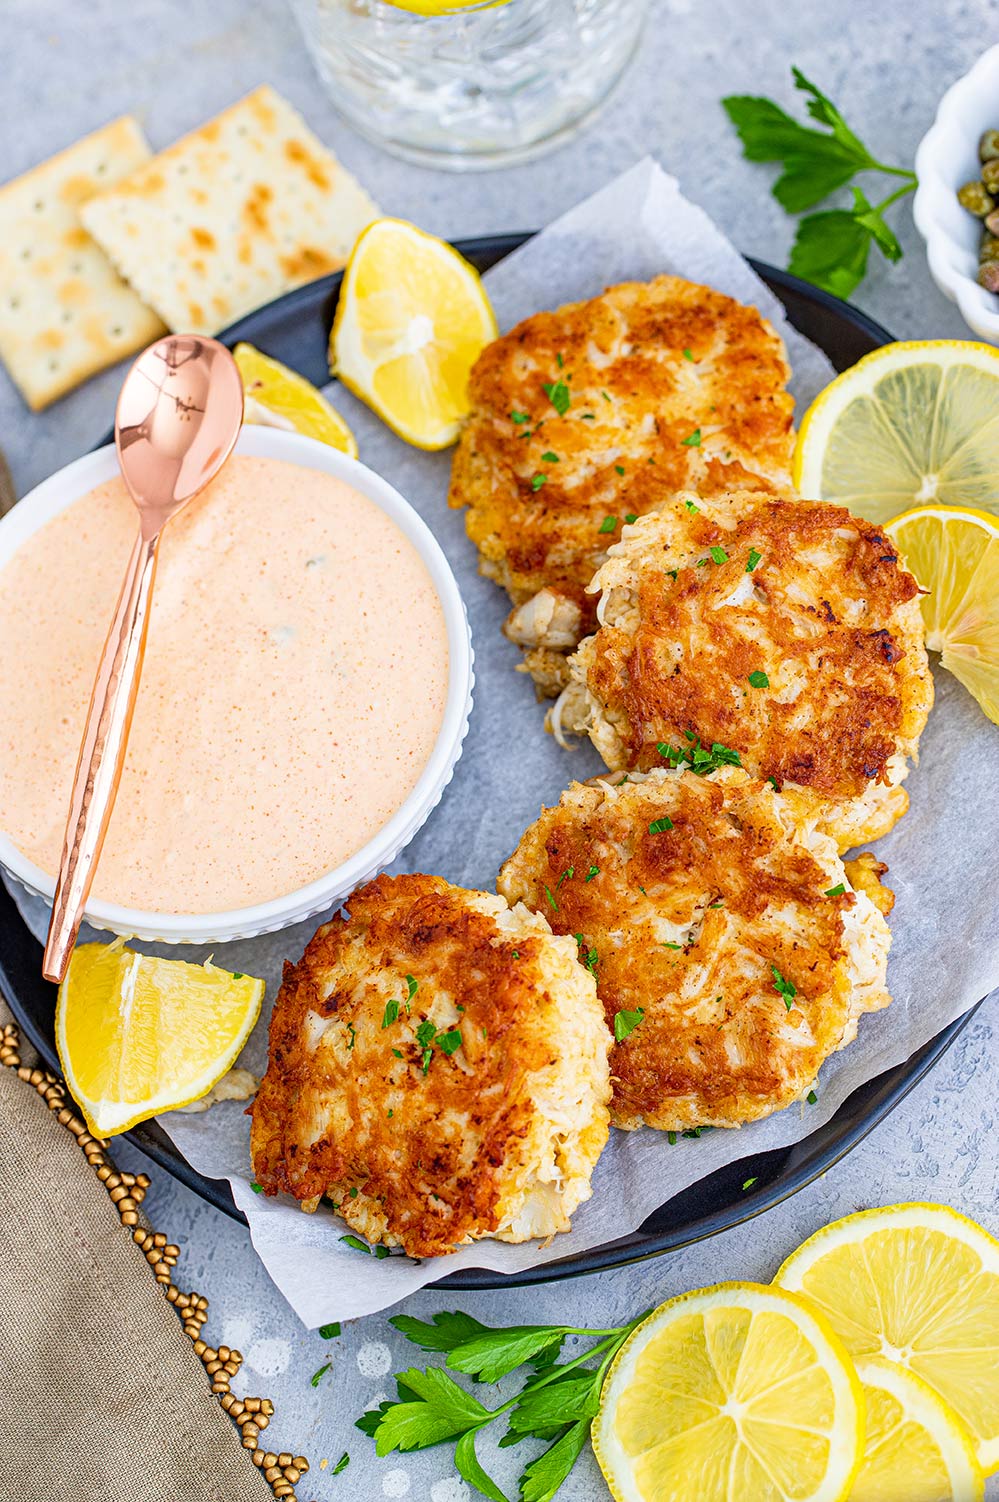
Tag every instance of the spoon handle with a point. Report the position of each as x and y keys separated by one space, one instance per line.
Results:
x=102 y=754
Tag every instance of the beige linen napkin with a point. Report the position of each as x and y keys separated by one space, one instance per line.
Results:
x=104 y=1394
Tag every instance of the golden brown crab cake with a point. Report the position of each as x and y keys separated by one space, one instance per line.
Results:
x=438 y=1068
x=597 y=411
x=731 y=952
x=785 y=632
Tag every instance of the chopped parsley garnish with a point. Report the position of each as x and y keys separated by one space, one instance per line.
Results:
x=515 y=954
x=449 y=1042
x=719 y=903
x=619 y=468
x=631 y=517
x=774 y=784
x=669 y=944
x=537 y=481
x=397 y=1052
x=359 y=1245
x=237 y=975
x=626 y=1022
x=589 y=956
x=748 y=1185
x=593 y=871
x=588 y=416
x=784 y=988
x=519 y=417
x=425 y=1040
x=719 y=555
x=559 y=361
x=754 y=558
x=812 y=1098
x=549 y=458
x=672 y=573
x=551 y=900
x=759 y=679
x=697 y=757
x=567 y=875
x=413 y=985
x=605 y=396
x=317 y=1377
x=836 y=891
x=688 y=355
x=329 y=1332
x=352 y=1030
x=353 y=1192
x=701 y=563
x=692 y=508
x=671 y=1138
x=557 y=393
x=608 y=524
x=660 y=826
x=257 y=1188
x=392 y=1009
x=341 y=1464
x=692 y=440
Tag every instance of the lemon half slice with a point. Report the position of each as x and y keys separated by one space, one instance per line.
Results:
x=137 y=1035
x=277 y=397
x=917 y=1449
x=909 y=424
x=411 y=321
x=954 y=554
x=918 y=1284
x=736 y=1393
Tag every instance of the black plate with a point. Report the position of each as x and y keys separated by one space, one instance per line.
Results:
x=295 y=329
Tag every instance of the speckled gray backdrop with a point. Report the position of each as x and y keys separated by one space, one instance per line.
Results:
x=66 y=69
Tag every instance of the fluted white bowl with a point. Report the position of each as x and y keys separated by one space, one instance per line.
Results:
x=66 y=486
x=946 y=158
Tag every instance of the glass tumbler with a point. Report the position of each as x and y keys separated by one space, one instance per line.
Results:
x=482 y=85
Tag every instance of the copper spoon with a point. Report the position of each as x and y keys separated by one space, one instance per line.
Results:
x=178 y=416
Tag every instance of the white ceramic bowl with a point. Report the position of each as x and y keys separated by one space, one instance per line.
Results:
x=946 y=158
x=55 y=494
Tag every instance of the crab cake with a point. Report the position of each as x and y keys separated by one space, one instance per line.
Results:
x=438 y=1068
x=783 y=633
x=731 y=951
x=596 y=411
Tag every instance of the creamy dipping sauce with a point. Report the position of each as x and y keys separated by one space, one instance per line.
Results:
x=294 y=686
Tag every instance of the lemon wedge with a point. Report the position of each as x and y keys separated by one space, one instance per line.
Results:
x=443 y=7
x=954 y=554
x=917 y=1449
x=137 y=1035
x=736 y=1393
x=411 y=321
x=918 y=1284
x=909 y=424
x=277 y=397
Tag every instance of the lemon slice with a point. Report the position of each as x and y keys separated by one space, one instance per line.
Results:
x=277 y=397
x=137 y=1036
x=443 y=7
x=412 y=319
x=917 y=1449
x=736 y=1393
x=909 y=424
x=918 y=1284
x=955 y=555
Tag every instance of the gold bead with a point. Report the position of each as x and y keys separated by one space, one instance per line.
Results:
x=266 y=1406
x=249 y=1442
x=292 y=1473
x=273 y=1474
x=270 y=1458
x=301 y=1463
x=285 y=1458
x=200 y=1347
x=262 y=1420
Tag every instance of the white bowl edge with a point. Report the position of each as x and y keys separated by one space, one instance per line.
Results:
x=67 y=485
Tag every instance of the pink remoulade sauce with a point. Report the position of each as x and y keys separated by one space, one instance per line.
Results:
x=294 y=686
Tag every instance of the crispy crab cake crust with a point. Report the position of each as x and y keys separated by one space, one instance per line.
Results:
x=647 y=365
x=736 y=881
x=498 y=1137
x=702 y=594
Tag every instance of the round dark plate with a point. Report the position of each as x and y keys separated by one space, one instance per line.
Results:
x=295 y=330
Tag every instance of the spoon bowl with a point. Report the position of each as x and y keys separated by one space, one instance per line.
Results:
x=177 y=420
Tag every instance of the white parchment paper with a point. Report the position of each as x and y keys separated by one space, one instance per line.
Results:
x=942 y=856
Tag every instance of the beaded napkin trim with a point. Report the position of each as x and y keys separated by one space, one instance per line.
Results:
x=127 y=1191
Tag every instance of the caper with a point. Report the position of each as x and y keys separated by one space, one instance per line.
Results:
x=988 y=276
x=976 y=198
x=988 y=146
x=992 y=222
x=990 y=175
x=989 y=248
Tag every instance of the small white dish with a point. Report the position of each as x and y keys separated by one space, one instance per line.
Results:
x=66 y=486
x=946 y=158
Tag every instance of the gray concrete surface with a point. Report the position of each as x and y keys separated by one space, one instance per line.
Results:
x=66 y=69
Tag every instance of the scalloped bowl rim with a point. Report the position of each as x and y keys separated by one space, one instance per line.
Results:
x=948 y=229
x=66 y=486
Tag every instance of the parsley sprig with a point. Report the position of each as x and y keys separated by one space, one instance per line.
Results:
x=697 y=757
x=831 y=247
x=555 y=1405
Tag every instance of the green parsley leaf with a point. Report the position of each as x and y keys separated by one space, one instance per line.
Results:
x=317 y=1377
x=391 y=1013
x=669 y=944
x=543 y=1477
x=495 y=1352
x=784 y=988
x=257 y=1188
x=688 y=355
x=619 y=468
x=811 y=1098
x=237 y=975
x=697 y=757
x=608 y=524
x=593 y=871
x=441 y=1410
x=605 y=396
x=329 y=1332
x=567 y=875
x=719 y=555
x=773 y=783
x=551 y=900
x=660 y=826
x=519 y=417
x=748 y=1185
x=537 y=481
x=759 y=679
x=836 y=891
x=692 y=441
x=359 y=1245
x=830 y=250
x=449 y=1042
x=447 y=1331
x=754 y=558
x=341 y=1464
x=466 y=1463
x=557 y=393
x=413 y=986
x=563 y=1401
x=626 y=1022
x=549 y=458
x=397 y=1052
x=631 y=517
x=671 y=1138
x=425 y=1033
x=692 y=508
x=814 y=164
x=352 y=1030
